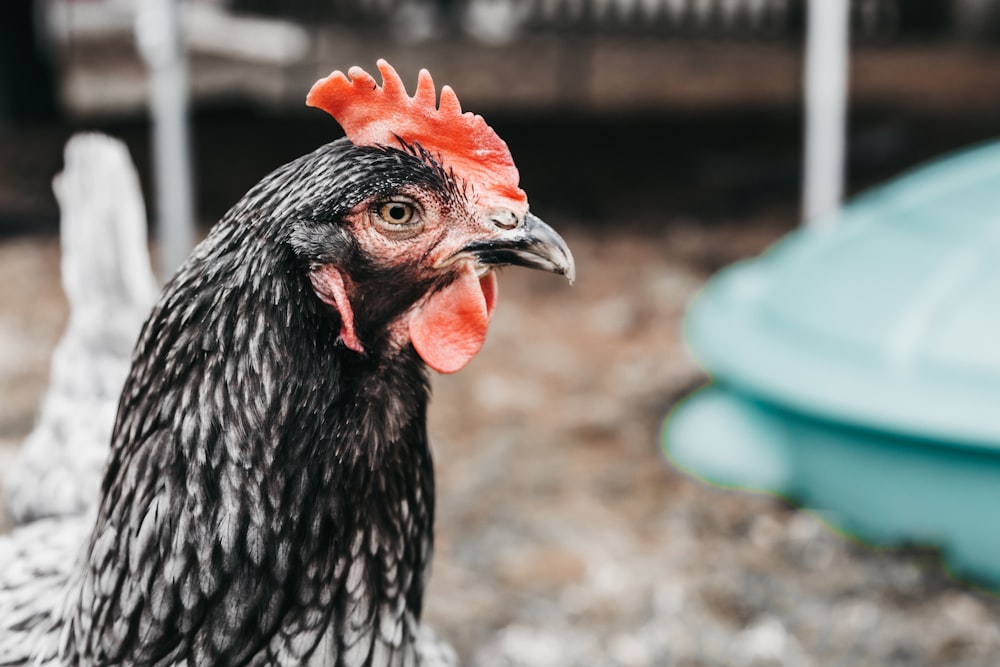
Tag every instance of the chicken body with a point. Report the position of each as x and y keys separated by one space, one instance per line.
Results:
x=269 y=496
x=107 y=278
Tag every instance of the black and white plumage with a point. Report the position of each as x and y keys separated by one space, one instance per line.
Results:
x=269 y=496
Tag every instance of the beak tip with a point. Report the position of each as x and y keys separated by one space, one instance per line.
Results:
x=570 y=271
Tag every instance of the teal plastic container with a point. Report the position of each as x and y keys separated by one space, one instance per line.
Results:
x=856 y=367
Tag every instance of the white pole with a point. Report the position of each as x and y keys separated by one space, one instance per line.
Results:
x=827 y=46
x=158 y=34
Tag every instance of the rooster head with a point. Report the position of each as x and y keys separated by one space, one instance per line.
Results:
x=433 y=208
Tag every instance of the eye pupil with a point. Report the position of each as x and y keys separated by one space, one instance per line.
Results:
x=396 y=212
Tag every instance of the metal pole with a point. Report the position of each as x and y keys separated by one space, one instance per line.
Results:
x=158 y=33
x=827 y=47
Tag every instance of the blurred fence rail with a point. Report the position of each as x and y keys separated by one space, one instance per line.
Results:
x=539 y=55
x=505 y=19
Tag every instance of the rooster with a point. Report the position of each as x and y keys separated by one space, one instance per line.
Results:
x=269 y=493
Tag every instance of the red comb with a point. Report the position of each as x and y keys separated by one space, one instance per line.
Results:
x=463 y=142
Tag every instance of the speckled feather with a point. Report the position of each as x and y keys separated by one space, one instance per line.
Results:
x=269 y=496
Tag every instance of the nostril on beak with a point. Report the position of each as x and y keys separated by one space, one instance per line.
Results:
x=504 y=219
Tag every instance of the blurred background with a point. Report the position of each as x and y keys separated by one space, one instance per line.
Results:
x=664 y=139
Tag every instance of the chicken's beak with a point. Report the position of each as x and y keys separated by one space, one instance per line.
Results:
x=532 y=244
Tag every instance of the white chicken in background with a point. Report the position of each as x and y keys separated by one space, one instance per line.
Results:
x=111 y=288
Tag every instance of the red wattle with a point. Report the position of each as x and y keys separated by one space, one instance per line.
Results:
x=449 y=327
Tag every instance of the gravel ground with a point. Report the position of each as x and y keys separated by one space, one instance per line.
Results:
x=564 y=537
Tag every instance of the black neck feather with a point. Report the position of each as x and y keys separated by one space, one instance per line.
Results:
x=269 y=493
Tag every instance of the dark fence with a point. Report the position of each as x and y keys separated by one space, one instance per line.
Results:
x=501 y=20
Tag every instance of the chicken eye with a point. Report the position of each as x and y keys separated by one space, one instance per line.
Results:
x=397 y=212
